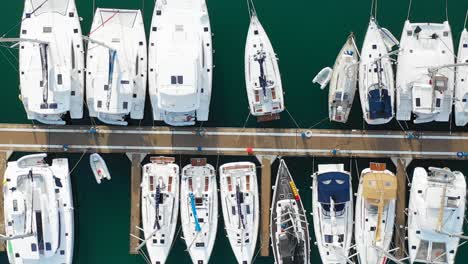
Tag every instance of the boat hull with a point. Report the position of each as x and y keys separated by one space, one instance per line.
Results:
x=461 y=84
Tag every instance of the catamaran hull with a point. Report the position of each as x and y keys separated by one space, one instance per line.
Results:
x=461 y=85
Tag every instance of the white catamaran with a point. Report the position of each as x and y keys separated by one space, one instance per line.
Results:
x=239 y=200
x=116 y=66
x=375 y=213
x=461 y=84
x=332 y=205
x=343 y=83
x=436 y=215
x=180 y=62
x=160 y=206
x=38 y=207
x=262 y=76
x=376 y=84
x=51 y=61
x=199 y=209
x=424 y=82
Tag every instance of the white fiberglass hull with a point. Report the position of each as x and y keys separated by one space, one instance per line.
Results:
x=199 y=209
x=160 y=207
x=52 y=66
x=48 y=219
x=180 y=62
x=262 y=75
x=116 y=66
x=239 y=200
x=461 y=84
x=99 y=167
x=423 y=48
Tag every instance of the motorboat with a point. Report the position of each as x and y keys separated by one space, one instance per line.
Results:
x=425 y=72
x=51 y=61
x=436 y=215
x=288 y=222
x=180 y=62
x=199 y=209
x=239 y=200
x=375 y=214
x=461 y=83
x=376 y=83
x=116 y=66
x=332 y=208
x=38 y=209
x=343 y=83
x=262 y=75
x=99 y=167
x=159 y=206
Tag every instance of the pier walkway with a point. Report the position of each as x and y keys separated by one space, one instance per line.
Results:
x=261 y=142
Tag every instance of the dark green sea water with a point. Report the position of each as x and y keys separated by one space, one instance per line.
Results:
x=306 y=35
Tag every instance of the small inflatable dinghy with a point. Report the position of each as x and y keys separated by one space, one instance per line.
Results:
x=323 y=77
x=99 y=167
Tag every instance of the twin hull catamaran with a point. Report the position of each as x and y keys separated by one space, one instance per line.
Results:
x=38 y=208
x=199 y=209
x=289 y=229
x=375 y=213
x=461 y=84
x=160 y=206
x=180 y=62
x=116 y=66
x=51 y=61
x=436 y=215
x=239 y=200
x=332 y=203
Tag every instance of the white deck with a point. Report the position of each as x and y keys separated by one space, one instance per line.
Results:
x=461 y=84
x=51 y=72
x=259 y=54
x=419 y=52
x=117 y=66
x=180 y=62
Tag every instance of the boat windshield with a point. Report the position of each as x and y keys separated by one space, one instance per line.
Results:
x=46 y=6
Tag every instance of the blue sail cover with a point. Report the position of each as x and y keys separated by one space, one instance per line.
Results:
x=194 y=212
x=380 y=105
x=333 y=185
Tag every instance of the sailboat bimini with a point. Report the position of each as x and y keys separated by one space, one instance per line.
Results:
x=116 y=66
x=38 y=208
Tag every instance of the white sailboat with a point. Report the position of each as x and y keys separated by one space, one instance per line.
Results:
x=461 y=84
x=436 y=215
x=376 y=84
x=424 y=82
x=332 y=205
x=239 y=200
x=180 y=62
x=199 y=209
x=375 y=213
x=99 y=167
x=160 y=206
x=116 y=66
x=262 y=75
x=51 y=61
x=343 y=83
x=38 y=207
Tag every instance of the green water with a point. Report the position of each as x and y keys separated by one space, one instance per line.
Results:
x=306 y=36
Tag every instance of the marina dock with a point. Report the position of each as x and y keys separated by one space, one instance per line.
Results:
x=262 y=142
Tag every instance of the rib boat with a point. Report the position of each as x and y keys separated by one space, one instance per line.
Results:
x=262 y=76
x=38 y=208
x=160 y=206
x=332 y=205
x=375 y=214
x=239 y=200
x=424 y=80
x=99 y=167
x=180 y=62
x=376 y=84
x=199 y=209
x=343 y=83
x=436 y=215
x=289 y=228
x=117 y=66
x=461 y=84
x=51 y=61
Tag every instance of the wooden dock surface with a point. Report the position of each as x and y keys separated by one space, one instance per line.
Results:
x=265 y=194
x=135 y=206
x=400 y=221
x=3 y=162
